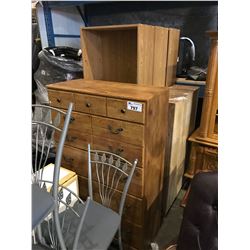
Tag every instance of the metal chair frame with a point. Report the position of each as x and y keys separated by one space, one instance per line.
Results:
x=46 y=129
x=123 y=170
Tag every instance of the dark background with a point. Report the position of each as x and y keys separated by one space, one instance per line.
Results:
x=192 y=18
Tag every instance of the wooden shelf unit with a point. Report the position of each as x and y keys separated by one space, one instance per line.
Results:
x=135 y=53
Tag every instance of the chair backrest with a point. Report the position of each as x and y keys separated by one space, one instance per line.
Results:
x=108 y=172
x=72 y=212
x=43 y=130
x=46 y=122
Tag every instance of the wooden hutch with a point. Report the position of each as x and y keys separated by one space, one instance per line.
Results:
x=204 y=141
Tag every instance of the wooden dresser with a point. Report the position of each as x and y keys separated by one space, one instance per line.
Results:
x=128 y=120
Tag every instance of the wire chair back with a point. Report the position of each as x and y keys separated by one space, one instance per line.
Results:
x=111 y=172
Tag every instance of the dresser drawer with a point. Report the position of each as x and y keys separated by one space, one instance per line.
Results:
x=75 y=160
x=129 y=152
x=136 y=185
x=79 y=132
x=126 y=110
x=133 y=208
x=133 y=235
x=90 y=104
x=78 y=140
x=61 y=99
x=118 y=130
x=80 y=122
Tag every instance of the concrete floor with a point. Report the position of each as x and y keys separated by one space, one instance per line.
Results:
x=170 y=227
x=171 y=224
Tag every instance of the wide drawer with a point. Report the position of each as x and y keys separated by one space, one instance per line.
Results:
x=133 y=208
x=75 y=160
x=118 y=130
x=61 y=99
x=129 y=152
x=79 y=132
x=126 y=110
x=90 y=104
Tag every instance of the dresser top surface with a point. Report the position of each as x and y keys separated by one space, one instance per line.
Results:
x=110 y=89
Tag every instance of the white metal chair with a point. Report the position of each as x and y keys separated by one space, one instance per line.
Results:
x=43 y=130
x=107 y=172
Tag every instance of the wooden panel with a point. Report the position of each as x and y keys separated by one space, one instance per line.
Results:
x=145 y=55
x=133 y=208
x=109 y=89
x=90 y=104
x=119 y=53
x=118 y=130
x=173 y=48
x=160 y=56
x=60 y=99
x=118 y=108
x=92 y=59
x=155 y=141
x=126 y=151
x=192 y=94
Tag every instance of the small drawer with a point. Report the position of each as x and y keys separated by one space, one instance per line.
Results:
x=60 y=99
x=133 y=208
x=129 y=152
x=118 y=130
x=95 y=105
x=75 y=160
x=127 y=110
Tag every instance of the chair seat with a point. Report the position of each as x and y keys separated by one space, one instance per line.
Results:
x=98 y=228
x=42 y=204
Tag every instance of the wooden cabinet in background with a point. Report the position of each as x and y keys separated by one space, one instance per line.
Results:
x=204 y=141
x=103 y=116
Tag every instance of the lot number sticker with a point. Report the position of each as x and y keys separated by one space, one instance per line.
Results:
x=134 y=106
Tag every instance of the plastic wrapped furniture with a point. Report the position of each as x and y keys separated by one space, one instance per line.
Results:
x=57 y=64
x=43 y=203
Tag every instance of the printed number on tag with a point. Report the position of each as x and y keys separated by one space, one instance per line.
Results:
x=134 y=106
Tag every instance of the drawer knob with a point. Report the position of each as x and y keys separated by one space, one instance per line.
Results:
x=69 y=160
x=115 y=131
x=70 y=138
x=58 y=100
x=123 y=111
x=88 y=105
x=119 y=151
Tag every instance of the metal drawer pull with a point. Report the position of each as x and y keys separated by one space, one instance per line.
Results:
x=58 y=100
x=68 y=159
x=115 y=131
x=70 y=138
x=71 y=119
x=123 y=111
x=88 y=105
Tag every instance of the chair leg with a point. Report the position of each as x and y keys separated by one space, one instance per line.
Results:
x=120 y=238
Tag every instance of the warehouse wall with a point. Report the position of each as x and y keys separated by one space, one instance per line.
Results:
x=192 y=18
